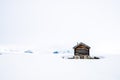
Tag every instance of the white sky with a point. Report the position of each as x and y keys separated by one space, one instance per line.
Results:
x=61 y=22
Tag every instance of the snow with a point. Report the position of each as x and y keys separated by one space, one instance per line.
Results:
x=53 y=67
x=46 y=26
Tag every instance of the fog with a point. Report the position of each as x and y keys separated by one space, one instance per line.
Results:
x=61 y=23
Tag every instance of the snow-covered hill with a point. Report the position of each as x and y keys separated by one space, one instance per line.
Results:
x=53 y=67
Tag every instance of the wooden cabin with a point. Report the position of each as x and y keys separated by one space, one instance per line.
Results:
x=81 y=51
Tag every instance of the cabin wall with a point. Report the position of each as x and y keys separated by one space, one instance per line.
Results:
x=81 y=51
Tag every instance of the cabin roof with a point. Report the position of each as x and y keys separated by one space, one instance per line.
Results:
x=81 y=44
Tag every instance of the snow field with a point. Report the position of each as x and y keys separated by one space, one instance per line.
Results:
x=52 y=67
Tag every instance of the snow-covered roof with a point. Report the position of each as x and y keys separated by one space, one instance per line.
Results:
x=81 y=44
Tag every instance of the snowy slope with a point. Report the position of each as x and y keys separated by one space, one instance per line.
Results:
x=53 y=67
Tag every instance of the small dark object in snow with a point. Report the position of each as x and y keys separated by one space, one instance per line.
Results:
x=96 y=57
x=28 y=51
x=55 y=52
